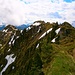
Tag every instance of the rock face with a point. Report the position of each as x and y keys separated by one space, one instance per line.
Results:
x=41 y=49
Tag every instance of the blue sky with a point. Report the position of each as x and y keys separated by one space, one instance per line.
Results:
x=19 y=12
x=69 y=1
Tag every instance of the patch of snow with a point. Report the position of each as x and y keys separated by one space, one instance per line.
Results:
x=13 y=67
x=5 y=30
x=17 y=37
x=12 y=39
x=13 y=42
x=0 y=44
x=37 y=46
x=28 y=28
x=10 y=60
x=9 y=50
x=46 y=33
x=53 y=40
x=57 y=31
x=10 y=43
x=32 y=36
x=21 y=31
x=38 y=31
x=42 y=35
x=49 y=30
x=1 y=65
x=36 y=24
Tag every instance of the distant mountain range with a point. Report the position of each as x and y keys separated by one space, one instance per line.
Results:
x=2 y=27
x=21 y=27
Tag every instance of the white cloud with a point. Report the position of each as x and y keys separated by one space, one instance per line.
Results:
x=12 y=12
x=17 y=12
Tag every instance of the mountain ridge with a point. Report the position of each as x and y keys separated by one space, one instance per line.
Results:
x=23 y=26
x=41 y=49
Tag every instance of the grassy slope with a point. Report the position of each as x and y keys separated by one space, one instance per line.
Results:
x=63 y=63
x=58 y=60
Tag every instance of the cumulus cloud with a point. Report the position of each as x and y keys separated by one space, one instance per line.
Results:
x=18 y=12
x=12 y=12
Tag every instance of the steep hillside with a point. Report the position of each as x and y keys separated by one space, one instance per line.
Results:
x=7 y=36
x=41 y=49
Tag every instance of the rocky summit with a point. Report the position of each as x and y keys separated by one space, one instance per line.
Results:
x=42 y=48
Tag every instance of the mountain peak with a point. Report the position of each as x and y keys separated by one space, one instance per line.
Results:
x=9 y=28
x=66 y=24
